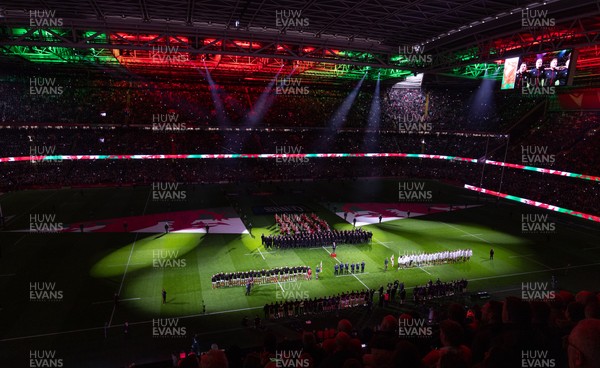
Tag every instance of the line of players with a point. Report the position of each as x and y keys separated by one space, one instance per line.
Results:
x=540 y=76
x=300 y=307
x=243 y=278
x=318 y=239
x=427 y=259
x=438 y=289
x=344 y=268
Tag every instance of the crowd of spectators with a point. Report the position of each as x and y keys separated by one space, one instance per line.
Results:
x=130 y=108
x=574 y=150
x=571 y=193
x=80 y=100
x=565 y=192
x=561 y=332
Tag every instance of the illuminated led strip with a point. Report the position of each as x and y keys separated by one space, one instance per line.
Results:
x=534 y=203
x=542 y=170
x=293 y=155
x=229 y=156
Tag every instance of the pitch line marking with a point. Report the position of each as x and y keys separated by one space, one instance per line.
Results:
x=524 y=255
x=382 y=243
x=282 y=282
x=252 y=254
x=278 y=283
x=8 y=275
x=466 y=232
x=124 y=264
x=128 y=260
x=111 y=301
x=540 y=263
x=121 y=325
x=253 y=308
x=538 y=271
x=507 y=290
x=472 y=235
x=359 y=280
x=338 y=261
x=21 y=238
x=591 y=248
x=258 y=249
x=424 y=270
x=350 y=274
x=34 y=206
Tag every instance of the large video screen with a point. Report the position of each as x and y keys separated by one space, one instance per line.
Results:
x=548 y=69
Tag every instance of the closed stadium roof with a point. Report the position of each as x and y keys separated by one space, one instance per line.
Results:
x=367 y=33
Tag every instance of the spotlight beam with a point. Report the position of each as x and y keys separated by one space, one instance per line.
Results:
x=342 y=112
x=263 y=103
x=219 y=107
x=371 y=139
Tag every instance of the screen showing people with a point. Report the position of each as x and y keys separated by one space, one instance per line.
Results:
x=550 y=69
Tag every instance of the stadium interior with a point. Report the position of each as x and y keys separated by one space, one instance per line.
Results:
x=300 y=183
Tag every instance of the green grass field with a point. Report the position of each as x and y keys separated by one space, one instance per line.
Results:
x=90 y=267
